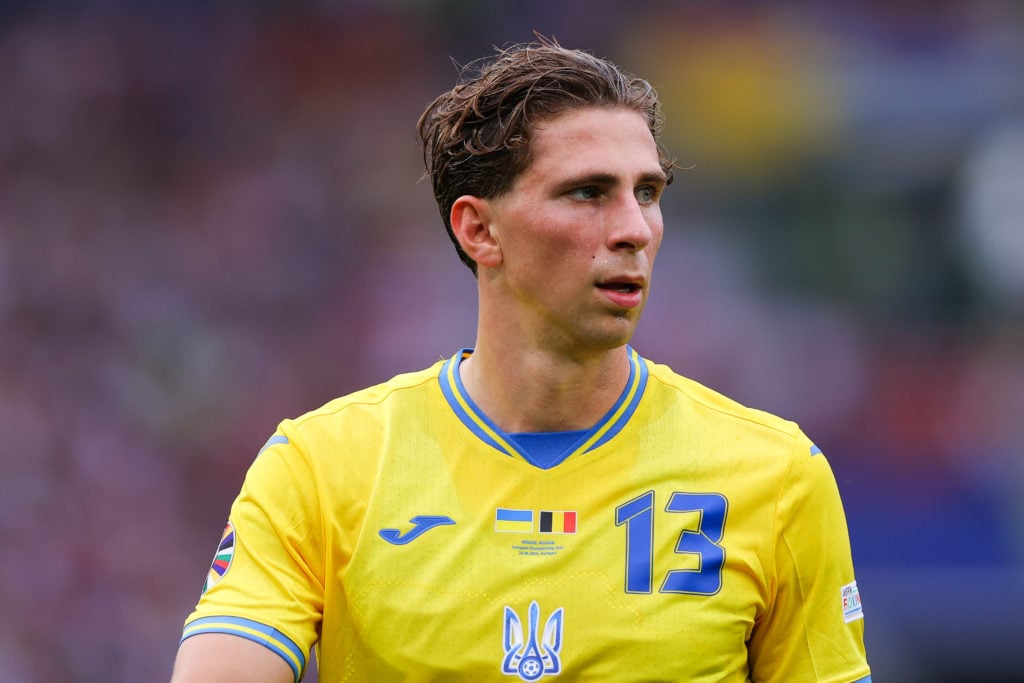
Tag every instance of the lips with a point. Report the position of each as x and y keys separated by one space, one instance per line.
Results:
x=619 y=286
x=623 y=283
x=623 y=293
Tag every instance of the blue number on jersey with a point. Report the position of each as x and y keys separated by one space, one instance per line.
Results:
x=702 y=541
x=638 y=516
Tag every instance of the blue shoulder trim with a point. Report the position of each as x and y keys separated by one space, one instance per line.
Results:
x=488 y=432
x=273 y=441
x=866 y=679
x=266 y=636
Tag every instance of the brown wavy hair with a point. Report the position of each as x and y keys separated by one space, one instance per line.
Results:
x=476 y=136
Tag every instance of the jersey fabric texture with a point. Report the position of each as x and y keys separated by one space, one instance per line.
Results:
x=682 y=538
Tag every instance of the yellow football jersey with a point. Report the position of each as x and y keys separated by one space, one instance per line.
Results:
x=682 y=538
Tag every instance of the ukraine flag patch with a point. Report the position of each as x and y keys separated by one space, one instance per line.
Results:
x=507 y=520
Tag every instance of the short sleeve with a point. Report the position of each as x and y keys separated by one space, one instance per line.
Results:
x=266 y=582
x=813 y=627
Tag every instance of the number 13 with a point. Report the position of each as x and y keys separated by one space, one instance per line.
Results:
x=638 y=516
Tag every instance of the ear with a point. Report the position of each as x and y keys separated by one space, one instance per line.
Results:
x=471 y=224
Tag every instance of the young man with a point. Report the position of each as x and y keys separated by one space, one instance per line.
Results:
x=548 y=504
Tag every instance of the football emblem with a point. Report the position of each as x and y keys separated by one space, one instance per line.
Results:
x=529 y=654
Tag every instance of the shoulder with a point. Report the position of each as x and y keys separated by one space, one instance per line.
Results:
x=691 y=395
x=348 y=433
x=752 y=436
x=415 y=386
x=358 y=419
x=783 y=457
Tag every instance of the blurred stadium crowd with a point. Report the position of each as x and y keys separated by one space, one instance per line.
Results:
x=211 y=218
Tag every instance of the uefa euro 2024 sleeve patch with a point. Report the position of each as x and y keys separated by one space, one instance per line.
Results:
x=852 y=609
x=222 y=558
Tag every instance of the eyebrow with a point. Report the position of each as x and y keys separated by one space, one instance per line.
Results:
x=659 y=177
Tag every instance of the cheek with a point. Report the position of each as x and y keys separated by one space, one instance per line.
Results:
x=657 y=233
x=655 y=244
x=564 y=242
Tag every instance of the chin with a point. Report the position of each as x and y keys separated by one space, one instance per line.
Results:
x=613 y=337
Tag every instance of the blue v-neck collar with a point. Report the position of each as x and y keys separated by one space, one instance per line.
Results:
x=488 y=432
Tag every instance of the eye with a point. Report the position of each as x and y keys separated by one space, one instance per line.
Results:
x=586 y=192
x=647 y=194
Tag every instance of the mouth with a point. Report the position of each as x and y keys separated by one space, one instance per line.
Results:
x=624 y=294
x=623 y=287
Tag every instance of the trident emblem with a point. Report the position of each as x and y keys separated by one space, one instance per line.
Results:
x=524 y=655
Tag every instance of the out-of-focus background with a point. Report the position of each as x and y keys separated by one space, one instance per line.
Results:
x=212 y=218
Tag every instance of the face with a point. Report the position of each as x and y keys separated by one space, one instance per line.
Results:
x=579 y=230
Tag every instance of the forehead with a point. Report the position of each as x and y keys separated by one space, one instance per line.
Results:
x=594 y=140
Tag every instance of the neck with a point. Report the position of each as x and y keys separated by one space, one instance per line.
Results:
x=534 y=390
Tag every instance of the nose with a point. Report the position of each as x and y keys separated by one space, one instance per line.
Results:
x=634 y=225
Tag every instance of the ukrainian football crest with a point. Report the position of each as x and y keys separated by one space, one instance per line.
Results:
x=528 y=653
x=222 y=559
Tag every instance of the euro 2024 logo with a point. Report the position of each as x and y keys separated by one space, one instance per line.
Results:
x=525 y=655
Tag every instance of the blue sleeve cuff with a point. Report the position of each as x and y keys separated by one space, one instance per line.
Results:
x=266 y=636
